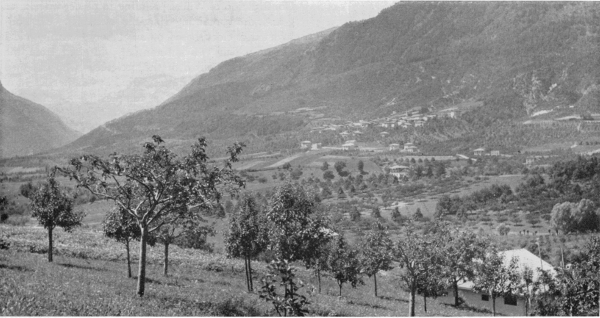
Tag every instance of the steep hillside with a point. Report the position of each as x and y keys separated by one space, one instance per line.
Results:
x=515 y=57
x=27 y=128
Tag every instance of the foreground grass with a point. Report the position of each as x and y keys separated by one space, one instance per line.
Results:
x=88 y=277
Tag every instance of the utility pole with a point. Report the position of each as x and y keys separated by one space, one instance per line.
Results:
x=540 y=253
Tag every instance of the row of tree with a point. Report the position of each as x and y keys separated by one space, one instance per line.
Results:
x=293 y=228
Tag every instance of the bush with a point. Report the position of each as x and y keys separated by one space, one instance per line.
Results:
x=288 y=301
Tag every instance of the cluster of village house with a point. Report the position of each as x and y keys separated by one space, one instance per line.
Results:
x=396 y=120
x=409 y=147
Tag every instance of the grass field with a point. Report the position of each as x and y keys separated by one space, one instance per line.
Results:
x=88 y=277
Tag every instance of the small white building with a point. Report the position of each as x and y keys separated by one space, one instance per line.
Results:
x=530 y=160
x=509 y=306
x=394 y=147
x=478 y=151
x=410 y=147
x=399 y=171
x=305 y=144
x=349 y=146
x=315 y=146
x=495 y=153
x=419 y=123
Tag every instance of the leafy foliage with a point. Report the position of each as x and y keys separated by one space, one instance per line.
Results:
x=495 y=278
x=287 y=302
x=156 y=185
x=289 y=216
x=461 y=248
x=52 y=208
x=419 y=255
x=344 y=264
x=248 y=233
x=121 y=226
x=575 y=290
x=376 y=253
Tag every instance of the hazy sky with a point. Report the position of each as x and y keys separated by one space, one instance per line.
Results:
x=83 y=50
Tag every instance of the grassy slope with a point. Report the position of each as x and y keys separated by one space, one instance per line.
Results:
x=89 y=279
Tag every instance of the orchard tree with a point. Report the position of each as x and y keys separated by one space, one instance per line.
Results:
x=289 y=215
x=461 y=248
x=418 y=215
x=178 y=224
x=328 y=175
x=344 y=264
x=52 y=207
x=361 y=167
x=339 y=167
x=432 y=283
x=377 y=252
x=503 y=229
x=317 y=236
x=375 y=213
x=396 y=216
x=575 y=217
x=496 y=278
x=354 y=214
x=121 y=226
x=562 y=217
x=325 y=166
x=156 y=184
x=247 y=236
x=586 y=217
x=417 y=254
x=574 y=290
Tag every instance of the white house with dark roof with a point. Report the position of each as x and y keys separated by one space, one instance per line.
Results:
x=479 y=152
x=394 y=147
x=305 y=144
x=399 y=171
x=349 y=146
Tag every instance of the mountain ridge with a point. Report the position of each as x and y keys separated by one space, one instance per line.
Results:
x=517 y=58
x=28 y=128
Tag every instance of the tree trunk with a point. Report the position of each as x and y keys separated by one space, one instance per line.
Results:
x=424 y=302
x=246 y=269
x=128 y=259
x=250 y=274
x=49 y=244
x=142 y=262
x=411 y=300
x=319 y=277
x=340 y=289
x=166 y=267
x=375 y=281
x=493 y=304
x=455 y=287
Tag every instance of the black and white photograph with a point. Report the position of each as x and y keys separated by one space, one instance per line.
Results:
x=299 y=158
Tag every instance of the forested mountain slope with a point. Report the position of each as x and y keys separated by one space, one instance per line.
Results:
x=516 y=57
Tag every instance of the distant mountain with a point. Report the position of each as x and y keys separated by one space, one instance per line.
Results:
x=515 y=57
x=141 y=93
x=27 y=128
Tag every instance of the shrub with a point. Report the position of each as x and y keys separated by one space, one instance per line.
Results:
x=289 y=302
